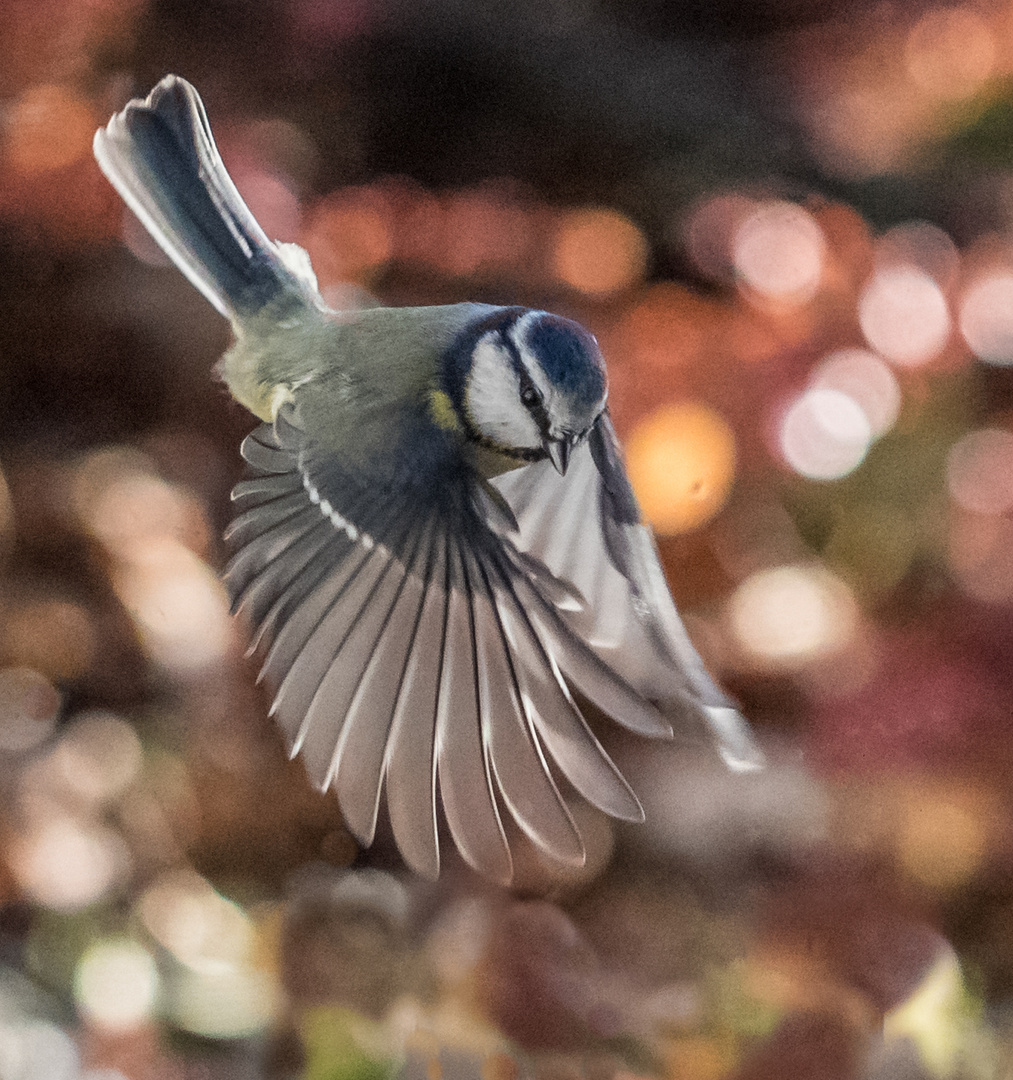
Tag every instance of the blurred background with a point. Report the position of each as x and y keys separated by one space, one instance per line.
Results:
x=790 y=225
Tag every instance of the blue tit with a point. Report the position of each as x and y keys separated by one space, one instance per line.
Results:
x=438 y=550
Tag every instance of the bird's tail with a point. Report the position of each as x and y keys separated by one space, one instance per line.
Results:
x=160 y=156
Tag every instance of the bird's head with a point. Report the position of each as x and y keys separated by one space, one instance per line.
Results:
x=532 y=385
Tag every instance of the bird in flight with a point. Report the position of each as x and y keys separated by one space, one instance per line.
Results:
x=438 y=550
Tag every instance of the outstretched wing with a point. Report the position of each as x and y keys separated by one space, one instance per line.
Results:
x=629 y=618
x=410 y=644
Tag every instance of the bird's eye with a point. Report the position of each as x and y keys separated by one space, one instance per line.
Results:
x=529 y=395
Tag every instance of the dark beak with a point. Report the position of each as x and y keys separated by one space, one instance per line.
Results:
x=558 y=452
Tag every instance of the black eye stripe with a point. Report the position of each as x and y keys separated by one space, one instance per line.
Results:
x=530 y=397
x=515 y=356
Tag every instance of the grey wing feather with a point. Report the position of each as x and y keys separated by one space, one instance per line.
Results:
x=262 y=449
x=593 y=678
x=463 y=770
x=514 y=751
x=251 y=523
x=263 y=489
x=366 y=734
x=629 y=620
x=302 y=649
x=325 y=721
x=285 y=581
x=411 y=751
x=556 y=717
x=413 y=647
x=263 y=550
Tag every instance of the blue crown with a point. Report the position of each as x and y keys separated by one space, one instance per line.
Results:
x=570 y=358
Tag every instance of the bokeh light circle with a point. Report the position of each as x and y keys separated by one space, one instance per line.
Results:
x=66 y=864
x=681 y=462
x=920 y=244
x=179 y=606
x=196 y=924
x=864 y=378
x=116 y=984
x=218 y=988
x=986 y=318
x=272 y=202
x=778 y=251
x=788 y=616
x=709 y=232
x=48 y=127
x=979 y=471
x=904 y=315
x=37 y=1050
x=98 y=756
x=825 y=434
x=29 y=704
x=950 y=52
x=349 y=236
x=942 y=834
x=599 y=251
x=980 y=550
x=52 y=635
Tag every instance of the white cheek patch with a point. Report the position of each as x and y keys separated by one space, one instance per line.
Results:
x=492 y=397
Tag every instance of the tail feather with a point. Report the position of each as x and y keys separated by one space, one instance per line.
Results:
x=160 y=156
